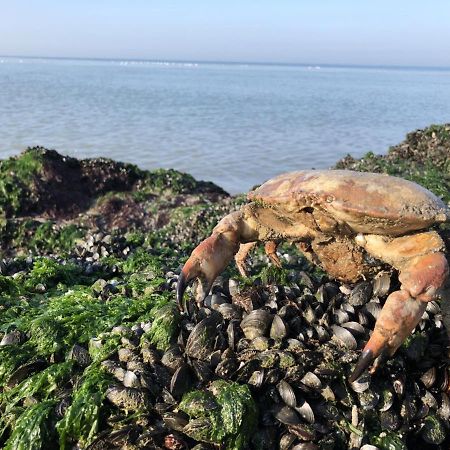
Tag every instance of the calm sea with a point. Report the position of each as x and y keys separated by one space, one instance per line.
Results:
x=234 y=124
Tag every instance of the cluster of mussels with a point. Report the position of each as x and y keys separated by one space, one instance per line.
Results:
x=292 y=347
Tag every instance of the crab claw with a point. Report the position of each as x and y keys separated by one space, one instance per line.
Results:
x=396 y=321
x=206 y=262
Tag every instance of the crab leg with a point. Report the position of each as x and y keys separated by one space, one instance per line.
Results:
x=422 y=279
x=212 y=255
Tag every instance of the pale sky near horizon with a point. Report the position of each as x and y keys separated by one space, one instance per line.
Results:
x=382 y=32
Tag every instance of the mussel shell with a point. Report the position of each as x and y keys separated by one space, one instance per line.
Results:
x=305 y=411
x=355 y=328
x=230 y=311
x=127 y=398
x=286 y=415
x=200 y=343
x=287 y=393
x=344 y=337
x=362 y=383
x=312 y=381
x=361 y=294
x=278 y=329
x=175 y=420
x=390 y=420
x=173 y=358
x=181 y=381
x=131 y=380
x=256 y=323
x=80 y=355
x=381 y=284
x=14 y=337
x=256 y=379
x=25 y=370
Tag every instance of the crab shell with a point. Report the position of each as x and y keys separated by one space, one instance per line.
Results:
x=364 y=202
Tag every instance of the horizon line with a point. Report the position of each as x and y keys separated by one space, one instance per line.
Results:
x=237 y=62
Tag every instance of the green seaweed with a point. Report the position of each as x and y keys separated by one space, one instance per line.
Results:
x=16 y=175
x=31 y=430
x=164 y=326
x=81 y=420
x=226 y=414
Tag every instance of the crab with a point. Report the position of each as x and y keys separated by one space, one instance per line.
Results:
x=348 y=223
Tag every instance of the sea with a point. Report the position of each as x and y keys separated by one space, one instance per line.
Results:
x=235 y=124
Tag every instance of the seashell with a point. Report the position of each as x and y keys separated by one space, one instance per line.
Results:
x=215 y=300
x=136 y=365
x=444 y=409
x=279 y=329
x=181 y=381
x=175 y=420
x=344 y=337
x=233 y=287
x=173 y=358
x=80 y=355
x=355 y=328
x=408 y=408
x=369 y=399
x=399 y=386
x=150 y=356
x=322 y=333
x=125 y=354
x=364 y=318
x=230 y=311
x=25 y=370
x=287 y=393
x=200 y=343
x=127 y=398
x=131 y=380
x=260 y=343
x=201 y=370
x=386 y=400
x=362 y=383
x=429 y=400
x=312 y=381
x=303 y=431
x=256 y=379
x=305 y=411
x=373 y=309
x=360 y=294
x=226 y=367
x=286 y=441
x=114 y=369
x=14 y=337
x=433 y=307
x=256 y=323
x=305 y=446
x=341 y=316
x=381 y=284
x=287 y=415
x=389 y=420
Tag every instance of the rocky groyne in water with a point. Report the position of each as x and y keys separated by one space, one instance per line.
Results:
x=94 y=353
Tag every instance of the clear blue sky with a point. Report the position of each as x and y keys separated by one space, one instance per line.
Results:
x=390 y=32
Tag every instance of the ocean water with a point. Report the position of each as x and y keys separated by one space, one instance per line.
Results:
x=234 y=124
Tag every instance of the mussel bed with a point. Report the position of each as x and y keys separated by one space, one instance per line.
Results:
x=260 y=365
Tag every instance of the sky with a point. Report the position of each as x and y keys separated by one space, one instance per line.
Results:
x=367 y=32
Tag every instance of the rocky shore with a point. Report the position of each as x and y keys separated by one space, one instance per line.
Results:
x=95 y=355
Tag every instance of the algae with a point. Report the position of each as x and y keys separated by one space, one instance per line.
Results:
x=225 y=414
x=31 y=430
x=81 y=420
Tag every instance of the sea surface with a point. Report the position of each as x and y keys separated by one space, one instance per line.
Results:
x=234 y=124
